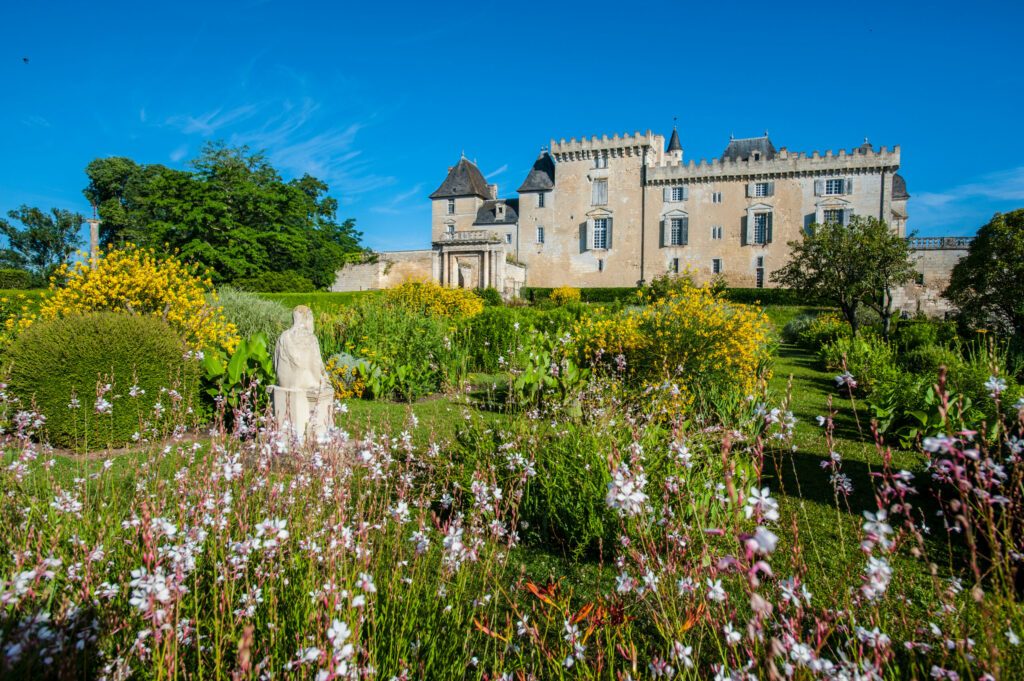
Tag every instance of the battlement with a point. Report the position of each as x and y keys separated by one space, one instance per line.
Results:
x=785 y=162
x=940 y=243
x=618 y=145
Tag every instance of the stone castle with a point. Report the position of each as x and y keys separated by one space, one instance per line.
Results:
x=618 y=211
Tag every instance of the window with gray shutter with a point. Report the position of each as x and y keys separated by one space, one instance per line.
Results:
x=599 y=240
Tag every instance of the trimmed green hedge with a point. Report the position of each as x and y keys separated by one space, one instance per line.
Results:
x=275 y=282
x=57 y=358
x=587 y=295
x=13 y=278
x=627 y=294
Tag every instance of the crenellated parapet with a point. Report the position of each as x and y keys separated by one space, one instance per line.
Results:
x=614 y=146
x=785 y=163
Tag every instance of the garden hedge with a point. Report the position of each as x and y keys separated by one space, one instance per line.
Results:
x=627 y=294
x=13 y=278
x=57 y=358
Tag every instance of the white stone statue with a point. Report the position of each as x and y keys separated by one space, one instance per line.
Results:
x=304 y=398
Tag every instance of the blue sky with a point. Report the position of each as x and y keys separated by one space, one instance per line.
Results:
x=378 y=99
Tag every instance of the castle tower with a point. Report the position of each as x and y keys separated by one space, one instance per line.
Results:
x=675 y=149
x=456 y=202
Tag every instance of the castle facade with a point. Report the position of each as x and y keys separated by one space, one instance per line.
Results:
x=618 y=211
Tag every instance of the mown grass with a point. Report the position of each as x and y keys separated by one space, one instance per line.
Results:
x=319 y=301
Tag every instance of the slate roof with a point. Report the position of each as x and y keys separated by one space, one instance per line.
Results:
x=542 y=176
x=487 y=215
x=899 y=188
x=673 y=142
x=464 y=179
x=743 y=149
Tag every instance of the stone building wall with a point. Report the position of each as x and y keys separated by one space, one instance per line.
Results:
x=391 y=269
x=934 y=259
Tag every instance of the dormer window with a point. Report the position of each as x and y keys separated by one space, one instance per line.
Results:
x=499 y=211
x=757 y=155
x=451 y=206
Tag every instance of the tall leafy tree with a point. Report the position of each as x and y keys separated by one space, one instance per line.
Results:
x=987 y=285
x=853 y=265
x=43 y=241
x=231 y=211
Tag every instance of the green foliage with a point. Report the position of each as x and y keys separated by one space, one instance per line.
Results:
x=498 y=332
x=252 y=314
x=275 y=282
x=850 y=265
x=545 y=373
x=490 y=296
x=869 y=358
x=55 y=360
x=321 y=301
x=987 y=285
x=43 y=242
x=242 y=377
x=822 y=330
x=626 y=294
x=770 y=296
x=407 y=354
x=231 y=211
x=14 y=278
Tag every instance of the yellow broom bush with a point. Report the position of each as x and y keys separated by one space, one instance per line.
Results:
x=138 y=281
x=435 y=300
x=689 y=341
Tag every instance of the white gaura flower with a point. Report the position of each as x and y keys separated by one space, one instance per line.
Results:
x=715 y=591
x=995 y=386
x=763 y=541
x=760 y=501
x=626 y=491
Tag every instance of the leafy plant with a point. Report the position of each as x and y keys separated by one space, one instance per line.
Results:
x=232 y=377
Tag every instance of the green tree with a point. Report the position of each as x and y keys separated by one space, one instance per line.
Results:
x=43 y=241
x=850 y=265
x=987 y=285
x=231 y=211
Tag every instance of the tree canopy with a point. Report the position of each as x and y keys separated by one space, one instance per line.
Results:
x=987 y=285
x=42 y=242
x=851 y=265
x=230 y=211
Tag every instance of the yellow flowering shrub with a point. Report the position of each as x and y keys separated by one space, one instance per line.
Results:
x=565 y=294
x=688 y=342
x=345 y=379
x=435 y=300
x=138 y=281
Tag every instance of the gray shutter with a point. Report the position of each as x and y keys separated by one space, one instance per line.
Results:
x=667 y=194
x=608 y=239
x=664 y=240
x=819 y=187
x=768 y=229
x=750 y=189
x=584 y=231
x=771 y=189
x=743 y=229
x=686 y=192
x=848 y=185
x=686 y=231
x=847 y=214
x=590 y=235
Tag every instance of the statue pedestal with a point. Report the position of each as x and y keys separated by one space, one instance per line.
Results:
x=310 y=413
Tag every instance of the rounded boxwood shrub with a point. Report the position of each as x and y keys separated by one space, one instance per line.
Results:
x=63 y=365
x=12 y=278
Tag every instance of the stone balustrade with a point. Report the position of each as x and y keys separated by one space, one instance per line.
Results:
x=940 y=243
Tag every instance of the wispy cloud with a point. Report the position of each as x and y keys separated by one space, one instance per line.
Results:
x=179 y=153
x=495 y=173
x=401 y=203
x=963 y=208
x=34 y=121
x=293 y=137
x=211 y=122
